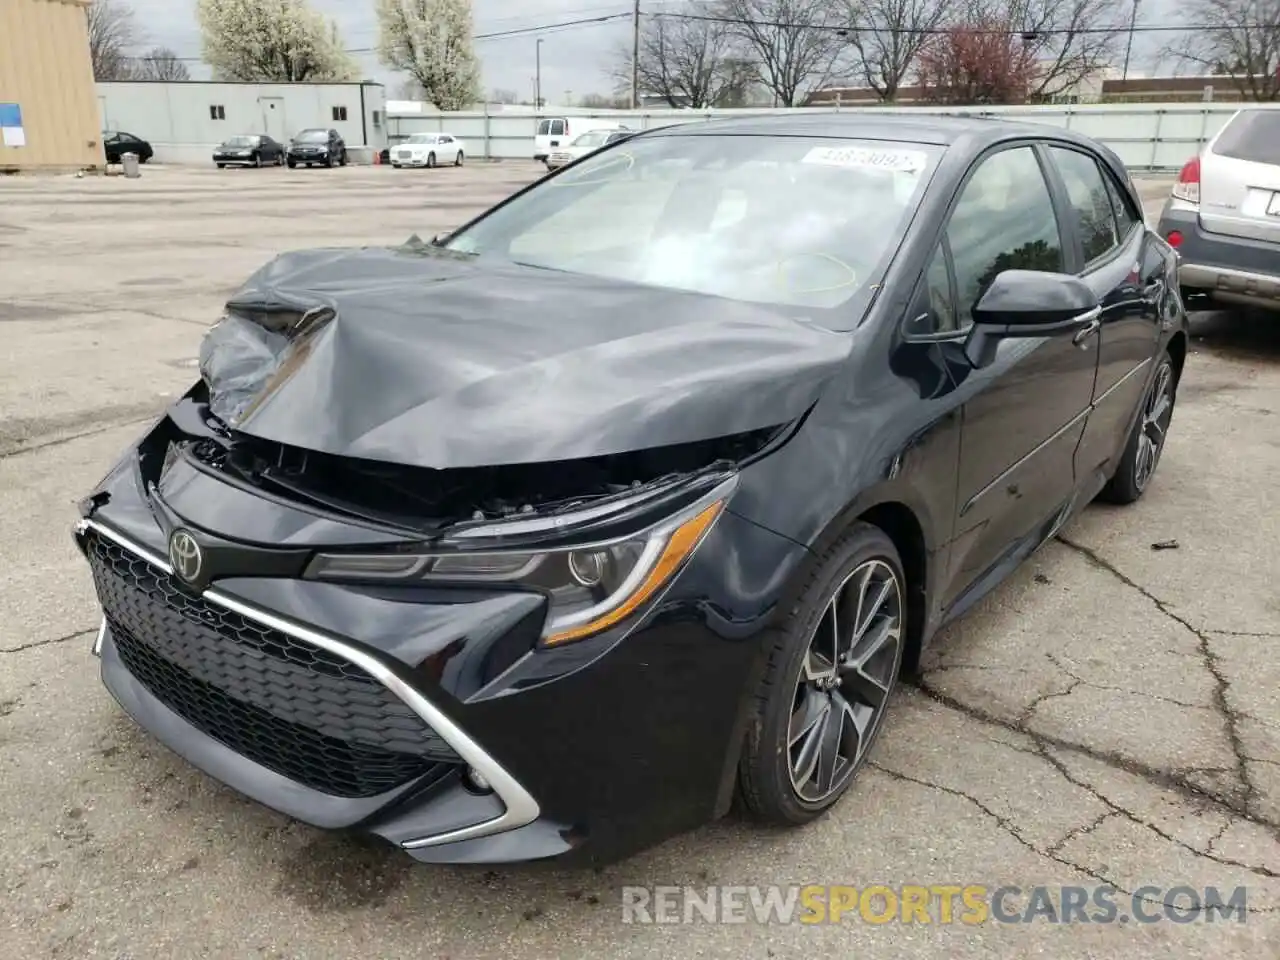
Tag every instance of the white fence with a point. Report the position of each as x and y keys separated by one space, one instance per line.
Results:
x=1145 y=136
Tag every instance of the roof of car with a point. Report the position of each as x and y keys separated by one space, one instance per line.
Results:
x=942 y=130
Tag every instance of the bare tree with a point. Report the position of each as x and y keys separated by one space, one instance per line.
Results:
x=112 y=33
x=1239 y=39
x=888 y=36
x=161 y=63
x=500 y=95
x=686 y=58
x=1068 y=40
x=796 y=44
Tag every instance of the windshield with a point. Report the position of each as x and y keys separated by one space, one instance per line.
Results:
x=313 y=136
x=1252 y=135
x=242 y=142
x=782 y=221
x=592 y=138
x=422 y=138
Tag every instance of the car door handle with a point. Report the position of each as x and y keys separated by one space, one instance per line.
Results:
x=1087 y=331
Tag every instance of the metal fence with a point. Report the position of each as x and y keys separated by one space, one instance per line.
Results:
x=1154 y=137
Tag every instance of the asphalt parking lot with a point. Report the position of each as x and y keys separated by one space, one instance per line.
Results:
x=1111 y=715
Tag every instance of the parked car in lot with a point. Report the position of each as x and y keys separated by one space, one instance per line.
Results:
x=317 y=147
x=428 y=150
x=117 y=143
x=1223 y=215
x=546 y=538
x=251 y=150
x=582 y=145
x=558 y=131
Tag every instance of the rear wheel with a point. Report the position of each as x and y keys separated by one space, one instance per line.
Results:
x=1146 y=441
x=833 y=666
x=457 y=162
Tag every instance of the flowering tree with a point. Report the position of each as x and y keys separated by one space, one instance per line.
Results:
x=979 y=61
x=271 y=40
x=431 y=41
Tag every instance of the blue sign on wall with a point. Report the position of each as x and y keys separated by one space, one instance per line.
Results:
x=10 y=115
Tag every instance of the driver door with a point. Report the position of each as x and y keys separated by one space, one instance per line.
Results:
x=1023 y=415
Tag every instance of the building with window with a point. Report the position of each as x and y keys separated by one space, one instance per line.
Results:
x=48 y=115
x=184 y=120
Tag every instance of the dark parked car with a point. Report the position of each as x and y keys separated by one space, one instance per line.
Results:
x=536 y=542
x=116 y=144
x=312 y=147
x=252 y=150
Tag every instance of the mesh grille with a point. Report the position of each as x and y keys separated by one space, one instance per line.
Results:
x=288 y=705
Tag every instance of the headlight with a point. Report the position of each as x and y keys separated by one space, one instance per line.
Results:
x=590 y=587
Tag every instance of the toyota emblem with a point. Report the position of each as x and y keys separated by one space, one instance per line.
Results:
x=185 y=556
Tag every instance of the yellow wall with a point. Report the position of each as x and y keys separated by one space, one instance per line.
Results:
x=45 y=68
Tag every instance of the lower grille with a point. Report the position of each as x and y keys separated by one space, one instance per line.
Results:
x=283 y=703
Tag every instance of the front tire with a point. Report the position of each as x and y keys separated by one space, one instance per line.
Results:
x=833 y=664
x=457 y=161
x=431 y=159
x=1147 y=438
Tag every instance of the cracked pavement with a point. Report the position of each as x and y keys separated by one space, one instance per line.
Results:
x=1110 y=715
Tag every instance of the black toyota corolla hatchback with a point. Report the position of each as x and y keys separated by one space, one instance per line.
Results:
x=638 y=491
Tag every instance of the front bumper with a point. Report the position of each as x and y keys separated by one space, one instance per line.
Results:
x=1230 y=269
x=408 y=161
x=587 y=752
x=307 y=157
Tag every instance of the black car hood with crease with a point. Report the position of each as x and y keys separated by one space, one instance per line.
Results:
x=427 y=358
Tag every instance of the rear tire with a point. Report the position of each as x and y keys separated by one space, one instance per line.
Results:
x=457 y=162
x=833 y=665
x=1147 y=438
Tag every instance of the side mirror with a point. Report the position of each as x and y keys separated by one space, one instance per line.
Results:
x=1029 y=303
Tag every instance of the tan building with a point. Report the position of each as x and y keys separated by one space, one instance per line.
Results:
x=48 y=101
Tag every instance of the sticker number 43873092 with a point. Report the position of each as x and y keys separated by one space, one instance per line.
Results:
x=898 y=161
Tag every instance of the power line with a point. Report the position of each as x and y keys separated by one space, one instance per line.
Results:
x=779 y=25
x=946 y=29
x=494 y=35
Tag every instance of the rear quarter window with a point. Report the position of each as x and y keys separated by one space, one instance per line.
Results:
x=1252 y=135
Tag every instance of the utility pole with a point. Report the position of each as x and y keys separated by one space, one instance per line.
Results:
x=635 y=56
x=537 y=76
x=1128 y=47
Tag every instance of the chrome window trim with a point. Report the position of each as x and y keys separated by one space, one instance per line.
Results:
x=521 y=808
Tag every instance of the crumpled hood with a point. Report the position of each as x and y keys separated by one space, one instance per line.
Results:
x=425 y=358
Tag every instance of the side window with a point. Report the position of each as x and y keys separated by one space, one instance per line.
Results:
x=544 y=128
x=557 y=128
x=1125 y=218
x=1004 y=220
x=934 y=308
x=1088 y=192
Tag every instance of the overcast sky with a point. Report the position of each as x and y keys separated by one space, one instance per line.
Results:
x=574 y=58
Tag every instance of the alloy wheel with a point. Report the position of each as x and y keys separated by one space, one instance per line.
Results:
x=848 y=673
x=1156 y=413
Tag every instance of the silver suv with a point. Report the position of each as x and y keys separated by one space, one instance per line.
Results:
x=1223 y=216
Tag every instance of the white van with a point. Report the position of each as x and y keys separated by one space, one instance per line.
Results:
x=558 y=131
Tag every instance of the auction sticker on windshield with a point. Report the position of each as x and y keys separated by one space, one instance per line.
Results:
x=900 y=161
